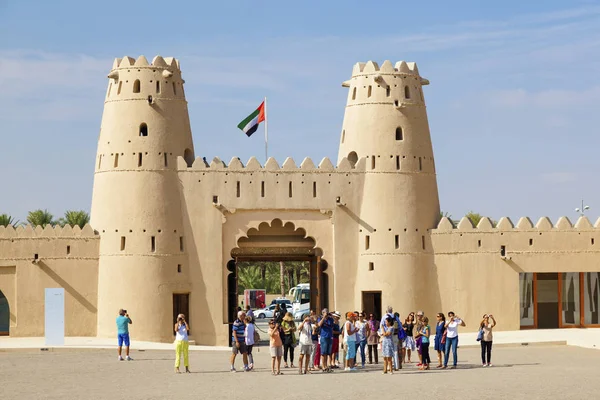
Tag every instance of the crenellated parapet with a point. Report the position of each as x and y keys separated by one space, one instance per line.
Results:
x=288 y=166
x=398 y=85
x=132 y=79
x=28 y=244
x=505 y=224
x=27 y=231
x=523 y=238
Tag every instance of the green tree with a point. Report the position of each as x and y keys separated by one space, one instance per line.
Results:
x=73 y=218
x=40 y=218
x=6 y=220
x=476 y=217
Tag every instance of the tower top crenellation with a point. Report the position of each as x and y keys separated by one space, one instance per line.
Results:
x=362 y=69
x=142 y=62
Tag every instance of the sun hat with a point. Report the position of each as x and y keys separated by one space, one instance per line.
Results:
x=337 y=314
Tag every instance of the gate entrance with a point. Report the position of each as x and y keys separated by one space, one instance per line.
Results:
x=271 y=244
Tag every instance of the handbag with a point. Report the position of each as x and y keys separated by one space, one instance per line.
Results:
x=480 y=335
x=443 y=341
x=256 y=337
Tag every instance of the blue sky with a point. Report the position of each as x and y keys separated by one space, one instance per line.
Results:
x=513 y=102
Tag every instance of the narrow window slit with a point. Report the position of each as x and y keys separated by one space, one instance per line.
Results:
x=153 y=243
x=237 y=189
x=122 y=243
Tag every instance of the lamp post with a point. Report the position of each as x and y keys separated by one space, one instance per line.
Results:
x=583 y=209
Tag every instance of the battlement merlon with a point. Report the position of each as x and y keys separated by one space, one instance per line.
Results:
x=236 y=165
x=27 y=231
x=167 y=64
x=505 y=225
x=402 y=68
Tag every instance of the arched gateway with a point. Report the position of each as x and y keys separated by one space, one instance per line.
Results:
x=276 y=241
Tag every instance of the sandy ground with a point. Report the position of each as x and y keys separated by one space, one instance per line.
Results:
x=535 y=372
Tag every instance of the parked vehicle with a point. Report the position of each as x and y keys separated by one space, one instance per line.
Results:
x=301 y=302
x=255 y=298
x=282 y=300
x=267 y=312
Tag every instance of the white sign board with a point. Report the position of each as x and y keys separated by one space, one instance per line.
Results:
x=54 y=327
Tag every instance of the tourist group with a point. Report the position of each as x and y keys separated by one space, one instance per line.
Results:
x=322 y=337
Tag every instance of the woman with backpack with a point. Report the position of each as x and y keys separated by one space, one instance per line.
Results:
x=289 y=338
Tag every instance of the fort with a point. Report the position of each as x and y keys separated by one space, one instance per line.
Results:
x=168 y=228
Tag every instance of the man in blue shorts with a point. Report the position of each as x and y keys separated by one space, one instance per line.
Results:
x=123 y=322
x=326 y=325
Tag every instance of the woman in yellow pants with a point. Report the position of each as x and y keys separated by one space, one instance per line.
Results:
x=181 y=343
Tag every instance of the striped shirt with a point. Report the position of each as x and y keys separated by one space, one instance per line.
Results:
x=238 y=330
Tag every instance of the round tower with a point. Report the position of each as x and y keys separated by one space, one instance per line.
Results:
x=136 y=202
x=385 y=122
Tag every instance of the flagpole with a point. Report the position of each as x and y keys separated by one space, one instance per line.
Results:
x=266 y=132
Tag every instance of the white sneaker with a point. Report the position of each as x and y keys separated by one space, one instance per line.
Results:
x=129 y=358
x=484 y=365
x=347 y=369
x=489 y=365
x=120 y=358
x=232 y=370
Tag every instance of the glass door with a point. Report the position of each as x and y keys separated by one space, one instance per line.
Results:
x=527 y=301
x=570 y=299
x=591 y=290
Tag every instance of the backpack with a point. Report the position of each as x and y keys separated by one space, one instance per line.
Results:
x=401 y=333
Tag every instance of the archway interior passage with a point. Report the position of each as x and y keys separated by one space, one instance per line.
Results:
x=256 y=262
x=4 y=315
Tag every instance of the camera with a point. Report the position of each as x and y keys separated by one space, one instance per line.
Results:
x=125 y=311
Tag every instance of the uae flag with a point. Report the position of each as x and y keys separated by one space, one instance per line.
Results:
x=250 y=124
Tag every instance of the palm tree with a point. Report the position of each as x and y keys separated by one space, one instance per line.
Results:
x=249 y=277
x=80 y=218
x=6 y=220
x=41 y=218
x=476 y=217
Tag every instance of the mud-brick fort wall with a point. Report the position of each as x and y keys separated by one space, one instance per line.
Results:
x=478 y=267
x=223 y=201
x=32 y=260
